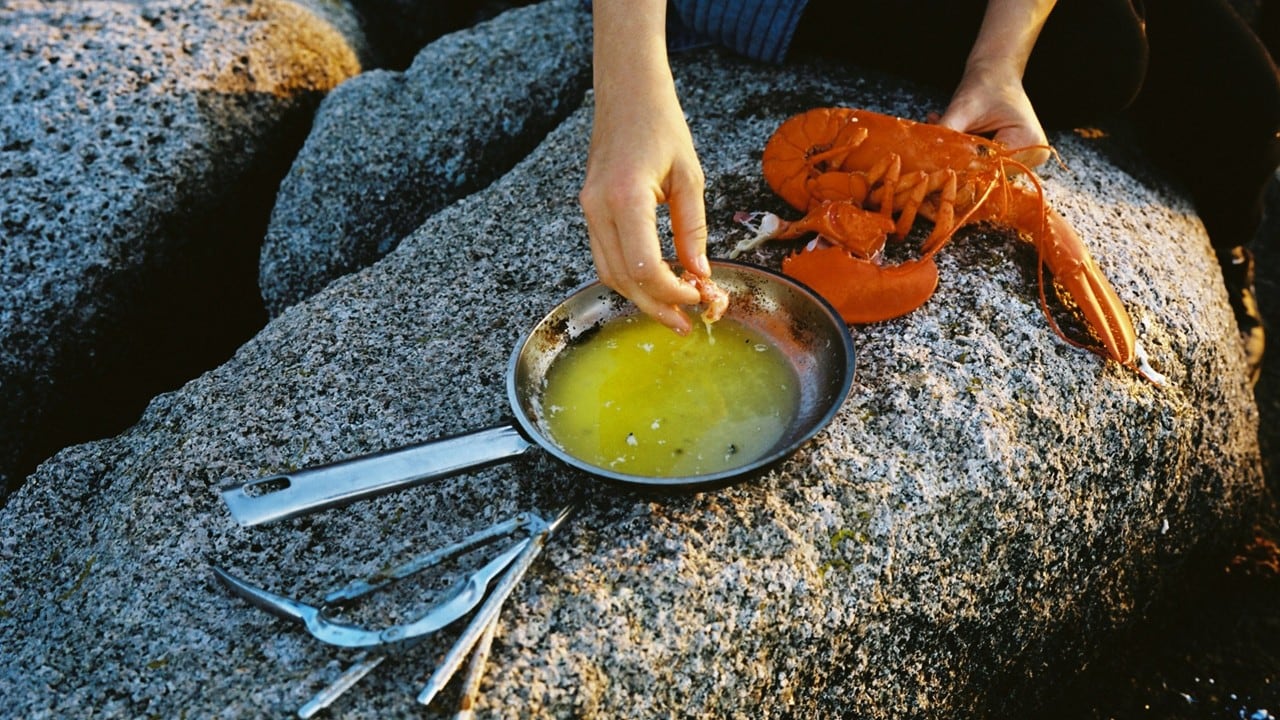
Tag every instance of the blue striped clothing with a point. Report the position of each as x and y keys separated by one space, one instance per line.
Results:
x=758 y=29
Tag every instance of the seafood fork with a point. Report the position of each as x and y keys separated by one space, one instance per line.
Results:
x=459 y=600
x=475 y=639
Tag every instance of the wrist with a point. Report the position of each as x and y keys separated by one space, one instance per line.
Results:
x=993 y=71
x=1006 y=38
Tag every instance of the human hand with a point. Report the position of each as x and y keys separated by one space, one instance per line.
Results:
x=642 y=154
x=992 y=102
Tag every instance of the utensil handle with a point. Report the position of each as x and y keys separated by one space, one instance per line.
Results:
x=286 y=495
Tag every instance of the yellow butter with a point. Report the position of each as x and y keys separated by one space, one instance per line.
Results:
x=636 y=398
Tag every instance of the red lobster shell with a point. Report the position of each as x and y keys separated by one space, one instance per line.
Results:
x=862 y=177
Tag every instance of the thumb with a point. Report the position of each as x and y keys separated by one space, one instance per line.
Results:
x=959 y=117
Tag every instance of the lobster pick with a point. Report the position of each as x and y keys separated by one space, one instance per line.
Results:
x=345 y=681
x=471 y=685
x=488 y=613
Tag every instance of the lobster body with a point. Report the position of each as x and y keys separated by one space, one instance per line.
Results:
x=845 y=140
x=862 y=178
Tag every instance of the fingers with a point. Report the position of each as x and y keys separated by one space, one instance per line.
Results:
x=689 y=222
x=627 y=255
x=1032 y=140
x=955 y=118
x=1005 y=115
x=642 y=155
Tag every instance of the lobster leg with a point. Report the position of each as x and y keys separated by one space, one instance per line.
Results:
x=910 y=196
x=944 y=220
x=860 y=232
x=943 y=213
x=889 y=187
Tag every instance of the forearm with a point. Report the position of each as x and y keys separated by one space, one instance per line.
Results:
x=1008 y=33
x=630 y=53
x=990 y=99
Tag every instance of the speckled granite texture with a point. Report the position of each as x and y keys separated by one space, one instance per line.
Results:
x=988 y=503
x=138 y=141
x=390 y=149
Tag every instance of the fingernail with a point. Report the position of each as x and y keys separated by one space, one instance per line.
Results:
x=704 y=267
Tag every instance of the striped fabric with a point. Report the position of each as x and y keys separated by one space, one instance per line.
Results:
x=758 y=29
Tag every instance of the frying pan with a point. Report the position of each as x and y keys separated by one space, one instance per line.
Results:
x=799 y=323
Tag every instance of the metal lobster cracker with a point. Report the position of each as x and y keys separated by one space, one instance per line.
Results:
x=511 y=564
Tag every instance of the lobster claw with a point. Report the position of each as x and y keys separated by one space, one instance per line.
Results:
x=1066 y=257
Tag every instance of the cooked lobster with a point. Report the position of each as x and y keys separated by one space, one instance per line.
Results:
x=862 y=177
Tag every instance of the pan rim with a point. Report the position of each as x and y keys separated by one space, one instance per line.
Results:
x=531 y=428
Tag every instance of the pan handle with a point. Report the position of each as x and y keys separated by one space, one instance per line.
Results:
x=286 y=495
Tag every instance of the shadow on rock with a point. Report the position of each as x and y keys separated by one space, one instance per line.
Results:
x=136 y=329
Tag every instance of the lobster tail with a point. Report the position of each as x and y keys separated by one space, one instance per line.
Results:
x=806 y=146
x=860 y=291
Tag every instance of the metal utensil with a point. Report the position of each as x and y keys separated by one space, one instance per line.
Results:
x=335 y=689
x=488 y=613
x=463 y=597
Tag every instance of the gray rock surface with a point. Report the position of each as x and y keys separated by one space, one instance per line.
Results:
x=987 y=504
x=390 y=149
x=140 y=145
